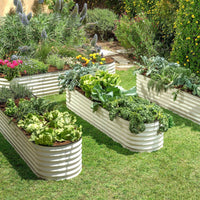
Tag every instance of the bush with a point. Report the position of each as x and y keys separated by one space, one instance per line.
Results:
x=60 y=28
x=56 y=61
x=162 y=13
x=136 y=34
x=187 y=40
x=13 y=34
x=104 y=20
x=115 y=5
x=33 y=66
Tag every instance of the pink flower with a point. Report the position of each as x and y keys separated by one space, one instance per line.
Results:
x=15 y=63
x=20 y=61
x=6 y=61
x=25 y=71
x=8 y=64
x=12 y=66
x=1 y=62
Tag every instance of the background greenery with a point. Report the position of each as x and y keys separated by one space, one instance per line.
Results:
x=110 y=171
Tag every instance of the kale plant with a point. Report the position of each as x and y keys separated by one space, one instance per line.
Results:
x=165 y=75
x=72 y=77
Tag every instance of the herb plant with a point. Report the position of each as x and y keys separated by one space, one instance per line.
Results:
x=14 y=91
x=36 y=106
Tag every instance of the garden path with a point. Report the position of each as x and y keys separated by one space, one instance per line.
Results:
x=118 y=53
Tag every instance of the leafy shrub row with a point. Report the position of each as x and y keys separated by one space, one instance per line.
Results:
x=186 y=45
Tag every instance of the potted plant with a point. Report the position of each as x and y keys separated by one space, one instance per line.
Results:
x=48 y=141
x=133 y=122
x=171 y=86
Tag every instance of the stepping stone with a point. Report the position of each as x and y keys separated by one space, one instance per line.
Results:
x=121 y=60
x=122 y=51
x=107 y=53
x=124 y=67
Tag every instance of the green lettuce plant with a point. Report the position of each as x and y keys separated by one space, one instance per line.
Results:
x=51 y=127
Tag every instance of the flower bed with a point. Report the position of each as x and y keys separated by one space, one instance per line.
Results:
x=118 y=129
x=54 y=163
x=186 y=105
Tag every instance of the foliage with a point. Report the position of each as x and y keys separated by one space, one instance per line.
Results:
x=14 y=91
x=19 y=90
x=13 y=34
x=136 y=34
x=101 y=78
x=37 y=106
x=162 y=14
x=72 y=77
x=33 y=66
x=165 y=75
x=64 y=51
x=11 y=108
x=51 y=127
x=101 y=22
x=18 y=31
x=68 y=4
x=56 y=61
x=186 y=43
x=138 y=112
x=5 y=94
x=43 y=51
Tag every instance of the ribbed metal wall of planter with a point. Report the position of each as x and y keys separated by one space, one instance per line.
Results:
x=52 y=163
x=40 y=84
x=111 y=67
x=186 y=105
x=118 y=130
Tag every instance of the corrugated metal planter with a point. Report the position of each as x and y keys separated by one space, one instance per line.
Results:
x=40 y=84
x=118 y=130
x=45 y=84
x=110 y=67
x=186 y=105
x=52 y=163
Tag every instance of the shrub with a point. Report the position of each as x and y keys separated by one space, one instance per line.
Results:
x=162 y=13
x=104 y=20
x=13 y=34
x=187 y=41
x=33 y=66
x=14 y=91
x=136 y=34
x=56 y=61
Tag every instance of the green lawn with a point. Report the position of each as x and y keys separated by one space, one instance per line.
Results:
x=110 y=171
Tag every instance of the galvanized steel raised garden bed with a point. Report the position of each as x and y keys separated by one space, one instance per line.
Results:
x=45 y=84
x=118 y=130
x=186 y=105
x=53 y=163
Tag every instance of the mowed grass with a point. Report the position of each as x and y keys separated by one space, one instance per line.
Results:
x=112 y=172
